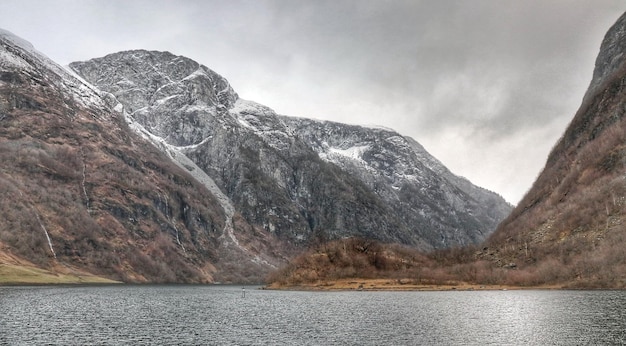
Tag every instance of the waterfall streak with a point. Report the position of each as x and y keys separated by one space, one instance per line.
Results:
x=83 y=181
x=46 y=232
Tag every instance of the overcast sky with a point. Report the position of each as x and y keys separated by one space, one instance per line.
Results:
x=487 y=86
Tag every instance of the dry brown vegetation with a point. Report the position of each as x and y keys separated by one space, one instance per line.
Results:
x=353 y=260
x=570 y=226
x=350 y=258
x=18 y=271
x=119 y=212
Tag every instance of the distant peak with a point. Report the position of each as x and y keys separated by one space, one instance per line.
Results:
x=7 y=35
x=611 y=57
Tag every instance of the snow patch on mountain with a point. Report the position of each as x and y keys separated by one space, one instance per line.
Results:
x=354 y=153
x=242 y=106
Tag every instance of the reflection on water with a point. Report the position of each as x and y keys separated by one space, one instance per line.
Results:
x=221 y=315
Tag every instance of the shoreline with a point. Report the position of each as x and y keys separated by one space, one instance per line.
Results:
x=357 y=284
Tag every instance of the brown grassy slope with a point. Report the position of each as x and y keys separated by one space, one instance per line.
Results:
x=344 y=264
x=17 y=271
x=573 y=216
x=356 y=263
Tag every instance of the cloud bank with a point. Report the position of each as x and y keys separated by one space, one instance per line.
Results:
x=486 y=86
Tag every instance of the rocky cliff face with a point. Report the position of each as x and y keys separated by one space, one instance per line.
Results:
x=298 y=179
x=574 y=213
x=83 y=192
x=439 y=206
x=611 y=58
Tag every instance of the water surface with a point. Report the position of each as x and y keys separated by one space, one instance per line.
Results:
x=221 y=315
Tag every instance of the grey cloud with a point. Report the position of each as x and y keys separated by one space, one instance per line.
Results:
x=471 y=80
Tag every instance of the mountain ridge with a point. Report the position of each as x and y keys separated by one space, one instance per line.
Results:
x=283 y=142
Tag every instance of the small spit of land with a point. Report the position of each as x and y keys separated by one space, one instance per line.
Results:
x=362 y=264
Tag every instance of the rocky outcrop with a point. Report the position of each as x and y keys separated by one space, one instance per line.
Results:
x=611 y=58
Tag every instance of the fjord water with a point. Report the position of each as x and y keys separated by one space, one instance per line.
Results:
x=222 y=315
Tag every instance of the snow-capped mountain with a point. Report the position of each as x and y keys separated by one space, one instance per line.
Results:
x=146 y=167
x=299 y=179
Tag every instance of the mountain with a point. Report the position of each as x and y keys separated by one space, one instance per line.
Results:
x=83 y=193
x=571 y=223
x=441 y=207
x=300 y=179
x=147 y=167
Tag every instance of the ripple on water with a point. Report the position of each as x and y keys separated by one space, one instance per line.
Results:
x=219 y=315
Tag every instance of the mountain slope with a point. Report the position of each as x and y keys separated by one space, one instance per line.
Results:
x=83 y=193
x=446 y=209
x=573 y=216
x=277 y=177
